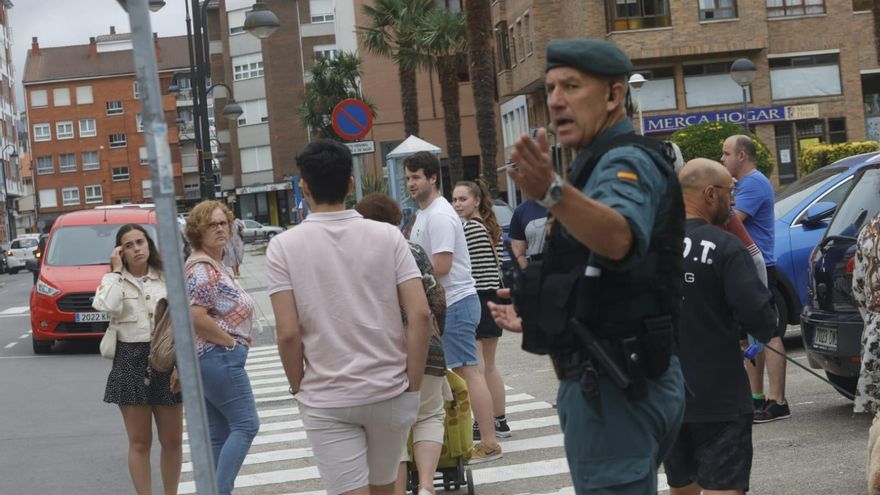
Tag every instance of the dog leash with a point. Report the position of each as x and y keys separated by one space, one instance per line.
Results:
x=840 y=389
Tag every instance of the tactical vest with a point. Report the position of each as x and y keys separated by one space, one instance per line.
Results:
x=615 y=304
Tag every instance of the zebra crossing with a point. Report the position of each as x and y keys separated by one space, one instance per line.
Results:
x=280 y=459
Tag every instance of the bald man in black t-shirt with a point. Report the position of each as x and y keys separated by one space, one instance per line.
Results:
x=722 y=292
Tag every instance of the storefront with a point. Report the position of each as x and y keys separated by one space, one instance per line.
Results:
x=269 y=204
x=796 y=127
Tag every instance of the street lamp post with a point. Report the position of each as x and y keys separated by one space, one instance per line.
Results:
x=637 y=81
x=260 y=22
x=743 y=72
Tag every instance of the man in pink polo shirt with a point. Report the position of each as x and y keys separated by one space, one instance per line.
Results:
x=337 y=284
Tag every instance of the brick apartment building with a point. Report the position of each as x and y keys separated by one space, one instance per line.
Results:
x=87 y=143
x=12 y=188
x=818 y=76
x=268 y=80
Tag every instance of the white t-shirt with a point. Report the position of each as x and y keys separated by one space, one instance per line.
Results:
x=438 y=229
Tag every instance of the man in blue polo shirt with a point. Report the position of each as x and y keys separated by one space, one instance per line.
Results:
x=754 y=206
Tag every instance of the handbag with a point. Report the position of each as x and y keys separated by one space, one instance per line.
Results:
x=108 y=343
x=162 y=356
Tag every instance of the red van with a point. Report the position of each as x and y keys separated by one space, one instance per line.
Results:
x=77 y=255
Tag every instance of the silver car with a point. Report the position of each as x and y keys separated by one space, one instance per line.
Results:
x=254 y=230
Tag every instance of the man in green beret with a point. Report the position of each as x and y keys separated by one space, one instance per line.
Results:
x=611 y=266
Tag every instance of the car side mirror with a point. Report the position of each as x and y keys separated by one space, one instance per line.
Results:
x=818 y=212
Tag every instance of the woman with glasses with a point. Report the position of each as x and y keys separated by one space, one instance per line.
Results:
x=222 y=314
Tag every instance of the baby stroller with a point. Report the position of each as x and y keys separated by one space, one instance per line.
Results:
x=458 y=440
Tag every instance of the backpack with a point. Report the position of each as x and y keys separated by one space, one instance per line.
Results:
x=162 y=356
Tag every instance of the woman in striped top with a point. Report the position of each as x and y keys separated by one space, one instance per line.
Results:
x=473 y=204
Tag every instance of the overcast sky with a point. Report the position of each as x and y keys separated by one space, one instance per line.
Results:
x=72 y=22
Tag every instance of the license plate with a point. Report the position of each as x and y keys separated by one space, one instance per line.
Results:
x=91 y=317
x=825 y=338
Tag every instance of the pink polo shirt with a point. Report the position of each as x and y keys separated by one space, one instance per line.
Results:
x=344 y=272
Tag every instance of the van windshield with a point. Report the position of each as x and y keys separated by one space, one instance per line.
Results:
x=85 y=244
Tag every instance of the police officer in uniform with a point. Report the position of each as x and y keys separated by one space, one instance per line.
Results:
x=603 y=301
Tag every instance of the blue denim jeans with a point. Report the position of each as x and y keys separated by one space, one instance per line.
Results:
x=232 y=412
x=460 y=334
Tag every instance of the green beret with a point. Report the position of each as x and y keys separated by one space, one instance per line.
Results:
x=588 y=55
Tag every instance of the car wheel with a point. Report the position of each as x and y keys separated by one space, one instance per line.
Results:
x=847 y=383
x=41 y=346
x=781 y=312
x=13 y=271
x=270 y=235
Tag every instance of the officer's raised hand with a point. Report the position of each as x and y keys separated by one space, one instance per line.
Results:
x=534 y=171
x=505 y=314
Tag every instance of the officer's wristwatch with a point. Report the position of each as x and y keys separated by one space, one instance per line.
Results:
x=553 y=194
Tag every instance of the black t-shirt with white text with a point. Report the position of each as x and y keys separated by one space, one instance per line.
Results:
x=722 y=292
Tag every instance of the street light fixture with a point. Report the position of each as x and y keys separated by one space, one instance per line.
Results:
x=743 y=72
x=637 y=81
x=156 y=5
x=260 y=21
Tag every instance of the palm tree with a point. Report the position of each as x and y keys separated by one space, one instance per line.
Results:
x=390 y=29
x=478 y=17
x=439 y=42
x=331 y=80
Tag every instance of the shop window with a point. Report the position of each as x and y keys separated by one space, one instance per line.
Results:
x=658 y=93
x=837 y=131
x=624 y=15
x=784 y=8
x=717 y=9
x=711 y=84
x=805 y=75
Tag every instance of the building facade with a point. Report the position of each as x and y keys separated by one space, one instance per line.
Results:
x=818 y=78
x=268 y=78
x=87 y=145
x=10 y=165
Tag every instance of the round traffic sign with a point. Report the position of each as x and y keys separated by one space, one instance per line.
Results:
x=352 y=119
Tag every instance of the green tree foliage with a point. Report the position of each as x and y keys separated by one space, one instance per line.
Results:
x=820 y=155
x=330 y=82
x=390 y=34
x=706 y=141
x=370 y=184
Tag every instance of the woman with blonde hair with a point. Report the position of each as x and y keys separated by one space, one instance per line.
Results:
x=222 y=314
x=473 y=203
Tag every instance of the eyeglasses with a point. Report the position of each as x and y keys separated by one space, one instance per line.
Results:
x=223 y=225
x=734 y=189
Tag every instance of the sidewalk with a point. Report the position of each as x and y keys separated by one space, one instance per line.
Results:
x=253 y=280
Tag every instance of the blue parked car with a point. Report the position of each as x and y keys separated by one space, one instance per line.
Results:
x=803 y=210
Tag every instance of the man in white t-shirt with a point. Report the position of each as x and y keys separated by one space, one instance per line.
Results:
x=439 y=231
x=337 y=284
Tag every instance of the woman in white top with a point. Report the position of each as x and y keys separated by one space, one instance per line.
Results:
x=129 y=294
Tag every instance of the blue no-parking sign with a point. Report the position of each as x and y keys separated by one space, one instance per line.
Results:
x=352 y=119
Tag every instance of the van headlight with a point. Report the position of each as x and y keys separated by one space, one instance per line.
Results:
x=45 y=289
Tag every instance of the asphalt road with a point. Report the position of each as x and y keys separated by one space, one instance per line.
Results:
x=58 y=436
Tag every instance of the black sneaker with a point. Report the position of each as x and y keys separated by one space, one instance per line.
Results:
x=501 y=428
x=759 y=404
x=772 y=411
x=476 y=432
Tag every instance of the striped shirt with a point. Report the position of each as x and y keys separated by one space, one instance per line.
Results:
x=484 y=264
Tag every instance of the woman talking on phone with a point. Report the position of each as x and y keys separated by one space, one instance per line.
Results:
x=129 y=294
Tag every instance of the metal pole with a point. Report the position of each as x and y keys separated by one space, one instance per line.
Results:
x=194 y=94
x=205 y=164
x=358 y=178
x=745 y=111
x=639 y=103
x=161 y=172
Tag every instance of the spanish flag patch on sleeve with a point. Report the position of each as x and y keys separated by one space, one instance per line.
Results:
x=626 y=175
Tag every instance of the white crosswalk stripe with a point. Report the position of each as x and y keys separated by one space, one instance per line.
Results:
x=280 y=460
